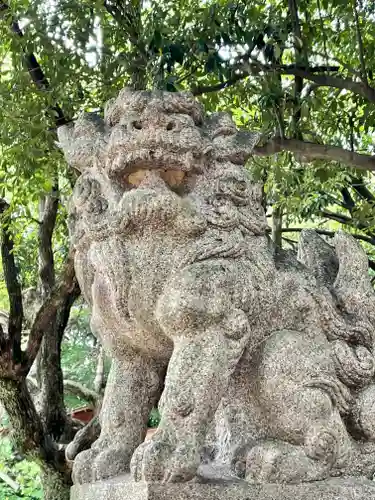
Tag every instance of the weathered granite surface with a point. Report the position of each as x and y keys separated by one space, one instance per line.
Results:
x=194 y=305
x=122 y=488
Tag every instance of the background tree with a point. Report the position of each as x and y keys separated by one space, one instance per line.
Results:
x=299 y=72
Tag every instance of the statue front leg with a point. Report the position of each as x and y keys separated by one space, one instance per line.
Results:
x=209 y=336
x=132 y=389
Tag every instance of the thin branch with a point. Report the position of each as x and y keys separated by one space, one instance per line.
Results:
x=360 y=188
x=338 y=60
x=29 y=218
x=311 y=74
x=83 y=439
x=311 y=151
x=291 y=242
x=9 y=481
x=32 y=65
x=128 y=16
x=301 y=61
x=331 y=234
x=99 y=381
x=323 y=31
x=248 y=69
x=328 y=81
x=335 y=200
x=220 y=86
x=360 y=44
x=81 y=391
x=344 y=219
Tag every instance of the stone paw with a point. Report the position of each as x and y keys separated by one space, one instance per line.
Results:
x=82 y=467
x=157 y=460
x=281 y=462
x=261 y=464
x=95 y=465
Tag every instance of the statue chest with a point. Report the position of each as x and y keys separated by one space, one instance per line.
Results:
x=151 y=264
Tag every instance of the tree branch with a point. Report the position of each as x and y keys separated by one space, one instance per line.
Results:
x=83 y=439
x=327 y=80
x=50 y=374
x=12 y=284
x=48 y=208
x=359 y=186
x=301 y=60
x=99 y=381
x=324 y=232
x=81 y=391
x=47 y=313
x=220 y=86
x=309 y=73
x=311 y=151
x=344 y=219
x=32 y=65
x=128 y=16
x=360 y=43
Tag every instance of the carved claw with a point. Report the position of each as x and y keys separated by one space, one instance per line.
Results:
x=82 y=468
x=94 y=465
x=272 y=462
x=158 y=461
x=148 y=460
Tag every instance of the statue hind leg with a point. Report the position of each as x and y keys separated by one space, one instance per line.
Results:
x=302 y=398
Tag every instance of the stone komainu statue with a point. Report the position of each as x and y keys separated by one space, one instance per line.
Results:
x=199 y=313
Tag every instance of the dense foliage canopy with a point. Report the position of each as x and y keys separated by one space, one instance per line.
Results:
x=298 y=71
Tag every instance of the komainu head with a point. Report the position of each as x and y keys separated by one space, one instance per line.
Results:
x=155 y=155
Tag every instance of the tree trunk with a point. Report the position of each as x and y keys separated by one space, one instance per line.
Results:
x=51 y=384
x=27 y=431
x=51 y=376
x=29 y=437
x=55 y=486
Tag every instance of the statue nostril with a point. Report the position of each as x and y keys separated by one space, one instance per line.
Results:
x=170 y=125
x=137 y=125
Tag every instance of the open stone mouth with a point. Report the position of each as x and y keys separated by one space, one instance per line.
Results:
x=175 y=168
x=151 y=194
x=156 y=179
x=172 y=178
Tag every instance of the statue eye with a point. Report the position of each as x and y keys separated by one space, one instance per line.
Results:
x=237 y=184
x=84 y=190
x=233 y=185
x=114 y=117
x=98 y=206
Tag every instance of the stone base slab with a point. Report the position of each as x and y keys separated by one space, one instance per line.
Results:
x=123 y=488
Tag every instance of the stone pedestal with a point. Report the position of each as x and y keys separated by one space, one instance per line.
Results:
x=123 y=488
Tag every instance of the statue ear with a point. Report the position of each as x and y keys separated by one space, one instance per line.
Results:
x=83 y=141
x=353 y=272
x=320 y=257
x=248 y=138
